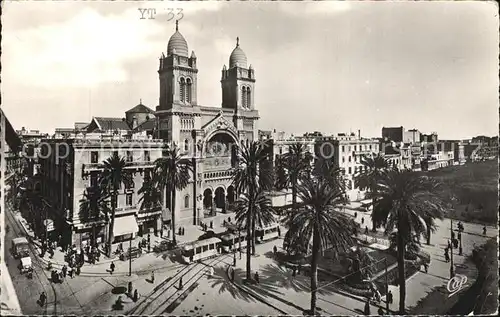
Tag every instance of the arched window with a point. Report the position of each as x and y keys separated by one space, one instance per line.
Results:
x=244 y=97
x=248 y=102
x=186 y=201
x=183 y=90
x=186 y=145
x=189 y=92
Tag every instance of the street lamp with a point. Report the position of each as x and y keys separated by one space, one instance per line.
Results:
x=130 y=255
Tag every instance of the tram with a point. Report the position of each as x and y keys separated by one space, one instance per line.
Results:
x=200 y=250
x=231 y=241
x=267 y=233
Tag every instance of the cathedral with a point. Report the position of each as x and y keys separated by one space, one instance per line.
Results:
x=206 y=135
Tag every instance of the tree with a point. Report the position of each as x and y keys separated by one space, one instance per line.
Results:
x=262 y=212
x=372 y=168
x=110 y=181
x=247 y=180
x=319 y=219
x=151 y=195
x=280 y=173
x=94 y=208
x=404 y=201
x=172 y=173
x=297 y=163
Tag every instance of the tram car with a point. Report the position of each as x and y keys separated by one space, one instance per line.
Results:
x=267 y=233
x=200 y=250
x=231 y=241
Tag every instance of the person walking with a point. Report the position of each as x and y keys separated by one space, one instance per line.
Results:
x=294 y=271
x=362 y=220
x=390 y=298
x=64 y=270
x=234 y=258
x=111 y=267
x=484 y=230
x=180 y=283
x=129 y=288
x=446 y=256
x=211 y=224
x=279 y=231
x=275 y=249
x=232 y=275
x=42 y=299
x=71 y=271
x=256 y=277
x=153 y=277
x=136 y=295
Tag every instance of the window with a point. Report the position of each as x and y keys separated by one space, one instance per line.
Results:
x=343 y=159
x=186 y=201
x=244 y=97
x=188 y=90
x=205 y=248
x=343 y=148
x=248 y=97
x=281 y=150
x=212 y=246
x=147 y=156
x=186 y=145
x=350 y=170
x=129 y=200
x=370 y=146
x=355 y=148
x=94 y=157
x=198 y=250
x=349 y=159
x=183 y=90
x=130 y=156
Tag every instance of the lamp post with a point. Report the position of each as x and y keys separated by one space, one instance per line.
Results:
x=460 y=240
x=386 y=287
x=452 y=271
x=130 y=255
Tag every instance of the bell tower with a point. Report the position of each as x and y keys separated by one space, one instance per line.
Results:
x=238 y=82
x=178 y=74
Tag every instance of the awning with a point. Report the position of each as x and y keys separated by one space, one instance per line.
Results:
x=125 y=225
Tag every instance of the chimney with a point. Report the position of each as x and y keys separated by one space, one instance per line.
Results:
x=359 y=134
x=134 y=122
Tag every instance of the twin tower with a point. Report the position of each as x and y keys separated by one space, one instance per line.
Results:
x=178 y=74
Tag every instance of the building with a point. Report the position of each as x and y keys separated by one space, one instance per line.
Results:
x=69 y=167
x=346 y=151
x=206 y=135
x=411 y=136
x=10 y=147
x=395 y=134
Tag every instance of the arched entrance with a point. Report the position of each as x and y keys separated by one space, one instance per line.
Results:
x=230 y=197
x=220 y=199
x=207 y=199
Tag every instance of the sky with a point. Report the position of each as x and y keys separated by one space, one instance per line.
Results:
x=328 y=66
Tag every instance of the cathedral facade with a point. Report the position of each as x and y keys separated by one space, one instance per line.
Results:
x=206 y=135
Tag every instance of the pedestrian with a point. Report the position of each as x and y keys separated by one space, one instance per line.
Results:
x=367 y=307
x=211 y=224
x=64 y=270
x=256 y=277
x=484 y=230
x=149 y=238
x=426 y=267
x=180 y=283
x=389 y=297
x=42 y=299
x=229 y=219
x=183 y=230
x=446 y=257
x=234 y=259
x=294 y=271
x=112 y=267
x=362 y=220
x=149 y=247
x=70 y=272
x=136 y=295
x=153 y=277
x=129 y=288
x=279 y=232
x=275 y=249
x=355 y=214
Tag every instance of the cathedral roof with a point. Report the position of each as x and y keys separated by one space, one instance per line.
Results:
x=177 y=43
x=238 y=57
x=106 y=124
x=140 y=108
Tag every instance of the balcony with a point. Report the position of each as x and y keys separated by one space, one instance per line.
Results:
x=361 y=153
x=218 y=175
x=130 y=165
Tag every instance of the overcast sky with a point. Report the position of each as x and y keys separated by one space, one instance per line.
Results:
x=325 y=66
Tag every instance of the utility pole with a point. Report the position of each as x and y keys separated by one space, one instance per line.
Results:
x=130 y=255
x=452 y=270
x=386 y=288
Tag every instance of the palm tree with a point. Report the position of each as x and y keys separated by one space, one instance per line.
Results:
x=297 y=163
x=113 y=176
x=319 y=219
x=248 y=180
x=262 y=212
x=93 y=208
x=372 y=168
x=172 y=173
x=151 y=195
x=280 y=173
x=404 y=201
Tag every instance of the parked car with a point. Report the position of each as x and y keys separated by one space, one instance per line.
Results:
x=133 y=253
x=165 y=245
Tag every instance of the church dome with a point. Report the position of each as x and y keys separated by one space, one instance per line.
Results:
x=177 y=43
x=238 y=57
